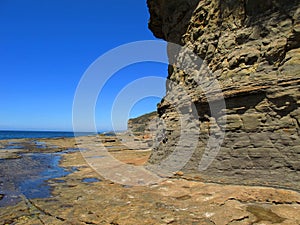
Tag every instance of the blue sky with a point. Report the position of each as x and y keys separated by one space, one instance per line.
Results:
x=47 y=45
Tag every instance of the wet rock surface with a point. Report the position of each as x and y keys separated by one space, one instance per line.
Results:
x=181 y=199
x=25 y=168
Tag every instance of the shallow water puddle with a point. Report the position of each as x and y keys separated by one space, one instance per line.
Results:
x=40 y=144
x=90 y=180
x=13 y=145
x=27 y=176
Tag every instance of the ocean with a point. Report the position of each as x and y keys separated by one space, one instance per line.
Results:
x=38 y=134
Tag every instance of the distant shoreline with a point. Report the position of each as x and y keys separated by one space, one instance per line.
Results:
x=14 y=134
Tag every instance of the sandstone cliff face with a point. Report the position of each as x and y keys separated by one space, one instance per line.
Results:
x=252 y=48
x=142 y=124
x=143 y=128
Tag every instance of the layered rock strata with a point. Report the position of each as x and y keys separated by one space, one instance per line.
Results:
x=142 y=124
x=143 y=129
x=252 y=48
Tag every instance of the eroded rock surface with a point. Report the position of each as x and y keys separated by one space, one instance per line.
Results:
x=252 y=48
x=143 y=128
x=85 y=197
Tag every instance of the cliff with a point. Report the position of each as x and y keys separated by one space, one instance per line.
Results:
x=252 y=48
x=142 y=124
x=143 y=129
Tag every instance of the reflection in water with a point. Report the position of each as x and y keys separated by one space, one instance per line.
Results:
x=28 y=176
x=90 y=180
